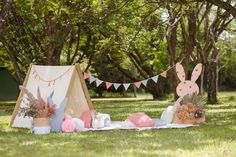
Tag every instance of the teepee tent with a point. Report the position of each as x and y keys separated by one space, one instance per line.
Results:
x=64 y=81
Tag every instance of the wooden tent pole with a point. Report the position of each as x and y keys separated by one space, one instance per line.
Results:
x=70 y=86
x=18 y=102
x=85 y=89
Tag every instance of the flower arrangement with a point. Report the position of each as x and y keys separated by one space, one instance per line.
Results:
x=190 y=111
x=35 y=107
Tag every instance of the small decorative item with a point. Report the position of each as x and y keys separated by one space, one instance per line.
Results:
x=100 y=120
x=39 y=110
x=68 y=126
x=57 y=118
x=41 y=125
x=190 y=110
x=79 y=124
x=167 y=115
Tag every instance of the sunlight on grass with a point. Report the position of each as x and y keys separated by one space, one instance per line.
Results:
x=216 y=138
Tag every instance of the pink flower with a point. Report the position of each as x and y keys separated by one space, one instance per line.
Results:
x=41 y=104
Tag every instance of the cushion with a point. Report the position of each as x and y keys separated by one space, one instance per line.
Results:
x=86 y=117
x=140 y=119
x=168 y=114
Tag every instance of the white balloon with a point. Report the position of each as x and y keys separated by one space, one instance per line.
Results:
x=168 y=114
x=79 y=124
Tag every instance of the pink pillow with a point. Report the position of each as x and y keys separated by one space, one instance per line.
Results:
x=86 y=117
x=140 y=119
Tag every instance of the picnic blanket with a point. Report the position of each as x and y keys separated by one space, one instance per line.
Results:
x=127 y=125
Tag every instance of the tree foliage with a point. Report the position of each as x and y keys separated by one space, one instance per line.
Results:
x=133 y=39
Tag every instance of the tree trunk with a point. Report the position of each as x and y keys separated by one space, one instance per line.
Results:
x=202 y=81
x=19 y=74
x=171 y=39
x=54 y=45
x=155 y=90
x=212 y=83
x=3 y=15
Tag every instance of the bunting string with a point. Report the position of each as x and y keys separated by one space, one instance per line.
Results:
x=137 y=84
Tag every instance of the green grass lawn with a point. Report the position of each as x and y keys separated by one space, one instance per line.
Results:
x=217 y=137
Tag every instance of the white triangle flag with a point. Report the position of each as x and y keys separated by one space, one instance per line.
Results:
x=155 y=78
x=126 y=85
x=116 y=85
x=144 y=82
x=91 y=79
x=98 y=82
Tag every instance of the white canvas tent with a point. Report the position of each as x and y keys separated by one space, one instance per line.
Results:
x=65 y=81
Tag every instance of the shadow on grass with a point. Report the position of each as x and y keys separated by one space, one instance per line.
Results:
x=219 y=129
x=128 y=141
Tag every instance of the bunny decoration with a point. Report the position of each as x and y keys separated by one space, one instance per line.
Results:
x=56 y=120
x=184 y=88
x=187 y=86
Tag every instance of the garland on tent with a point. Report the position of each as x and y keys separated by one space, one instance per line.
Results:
x=51 y=81
x=137 y=84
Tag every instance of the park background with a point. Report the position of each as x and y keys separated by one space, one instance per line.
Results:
x=124 y=41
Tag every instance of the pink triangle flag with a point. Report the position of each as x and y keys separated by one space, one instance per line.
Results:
x=164 y=74
x=137 y=84
x=108 y=85
x=86 y=75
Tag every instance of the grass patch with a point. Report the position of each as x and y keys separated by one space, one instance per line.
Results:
x=215 y=138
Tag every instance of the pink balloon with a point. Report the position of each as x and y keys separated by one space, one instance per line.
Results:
x=68 y=126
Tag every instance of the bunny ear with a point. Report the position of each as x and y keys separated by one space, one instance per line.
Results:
x=63 y=103
x=180 y=72
x=50 y=101
x=196 y=72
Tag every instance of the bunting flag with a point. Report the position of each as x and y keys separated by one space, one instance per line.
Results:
x=86 y=75
x=137 y=84
x=164 y=74
x=91 y=79
x=108 y=85
x=116 y=85
x=155 y=78
x=126 y=85
x=144 y=82
x=98 y=82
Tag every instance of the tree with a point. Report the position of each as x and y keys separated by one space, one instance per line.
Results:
x=6 y=7
x=148 y=36
x=47 y=32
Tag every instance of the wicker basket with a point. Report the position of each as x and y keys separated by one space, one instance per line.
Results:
x=41 y=125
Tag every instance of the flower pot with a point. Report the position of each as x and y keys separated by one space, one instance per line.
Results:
x=41 y=125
